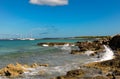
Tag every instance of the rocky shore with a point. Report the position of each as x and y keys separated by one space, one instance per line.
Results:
x=12 y=70
x=96 y=46
x=109 y=69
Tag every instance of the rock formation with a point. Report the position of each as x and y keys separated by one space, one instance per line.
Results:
x=95 y=46
x=115 y=42
x=109 y=69
x=12 y=70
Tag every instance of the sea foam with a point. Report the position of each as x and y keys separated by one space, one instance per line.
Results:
x=108 y=55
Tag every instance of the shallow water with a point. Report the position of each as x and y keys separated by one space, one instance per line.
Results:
x=27 y=52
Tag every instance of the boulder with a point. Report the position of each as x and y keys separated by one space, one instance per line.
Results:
x=12 y=70
x=73 y=74
x=115 y=42
x=76 y=73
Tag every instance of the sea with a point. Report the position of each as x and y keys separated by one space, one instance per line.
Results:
x=28 y=52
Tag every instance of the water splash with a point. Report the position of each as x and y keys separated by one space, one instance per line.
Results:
x=89 y=52
x=66 y=47
x=108 y=55
x=50 y=71
x=45 y=45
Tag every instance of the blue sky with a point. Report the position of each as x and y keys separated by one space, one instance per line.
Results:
x=60 y=18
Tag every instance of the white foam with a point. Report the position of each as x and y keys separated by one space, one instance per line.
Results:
x=66 y=47
x=62 y=70
x=89 y=52
x=108 y=55
x=45 y=45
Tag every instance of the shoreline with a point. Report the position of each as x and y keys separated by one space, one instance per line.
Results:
x=95 y=48
x=109 y=69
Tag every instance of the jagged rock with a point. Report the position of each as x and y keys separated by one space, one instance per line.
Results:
x=95 y=46
x=12 y=70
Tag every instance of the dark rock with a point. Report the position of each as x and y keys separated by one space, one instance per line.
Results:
x=95 y=46
x=76 y=73
x=116 y=72
x=76 y=52
x=7 y=73
x=115 y=42
x=110 y=76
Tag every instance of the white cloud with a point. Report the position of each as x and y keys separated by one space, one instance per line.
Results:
x=50 y=2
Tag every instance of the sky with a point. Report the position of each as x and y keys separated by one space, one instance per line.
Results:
x=59 y=18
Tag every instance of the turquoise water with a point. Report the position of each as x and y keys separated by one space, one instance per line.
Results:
x=11 y=46
x=27 y=52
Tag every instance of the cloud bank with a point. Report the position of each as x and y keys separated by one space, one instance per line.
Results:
x=49 y=2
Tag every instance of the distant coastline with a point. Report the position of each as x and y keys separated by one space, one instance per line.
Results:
x=76 y=37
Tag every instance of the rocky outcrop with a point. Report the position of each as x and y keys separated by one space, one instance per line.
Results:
x=74 y=74
x=12 y=70
x=95 y=46
x=83 y=73
x=115 y=42
x=97 y=70
x=109 y=69
x=55 y=44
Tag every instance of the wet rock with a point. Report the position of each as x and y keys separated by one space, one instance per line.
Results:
x=76 y=52
x=95 y=46
x=76 y=73
x=115 y=42
x=107 y=66
x=116 y=72
x=55 y=44
x=73 y=74
x=83 y=73
x=110 y=76
x=34 y=65
x=59 y=77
